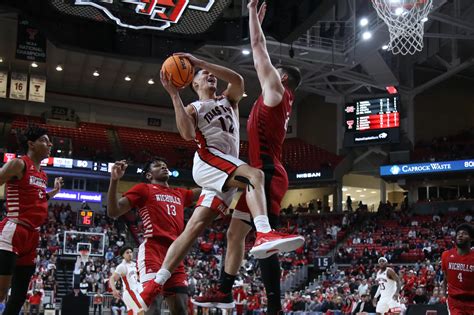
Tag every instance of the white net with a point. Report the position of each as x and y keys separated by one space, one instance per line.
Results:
x=405 y=20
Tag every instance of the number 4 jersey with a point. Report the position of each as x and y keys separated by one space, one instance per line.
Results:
x=161 y=209
x=459 y=270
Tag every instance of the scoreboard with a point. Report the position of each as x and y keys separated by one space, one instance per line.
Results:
x=372 y=121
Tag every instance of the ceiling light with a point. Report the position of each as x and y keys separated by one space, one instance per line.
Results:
x=399 y=11
x=361 y=196
x=363 y=22
x=1 y=59
x=151 y=81
x=34 y=64
x=366 y=35
x=244 y=95
x=246 y=52
x=344 y=189
x=373 y=192
x=348 y=195
x=425 y=19
x=59 y=68
x=359 y=190
x=385 y=47
x=365 y=189
x=127 y=78
x=96 y=73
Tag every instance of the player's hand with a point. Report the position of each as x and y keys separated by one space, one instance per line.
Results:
x=58 y=183
x=118 y=169
x=165 y=79
x=196 y=62
x=116 y=294
x=252 y=5
x=261 y=12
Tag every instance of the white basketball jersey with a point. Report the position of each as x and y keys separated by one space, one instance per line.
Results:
x=387 y=286
x=217 y=126
x=129 y=274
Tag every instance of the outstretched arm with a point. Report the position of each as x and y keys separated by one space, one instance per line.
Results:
x=185 y=119
x=117 y=207
x=270 y=81
x=235 y=89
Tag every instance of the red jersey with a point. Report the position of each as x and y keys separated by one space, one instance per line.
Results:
x=161 y=209
x=459 y=271
x=26 y=197
x=266 y=130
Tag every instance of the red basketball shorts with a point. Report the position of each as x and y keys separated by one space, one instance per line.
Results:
x=457 y=307
x=276 y=186
x=151 y=255
x=20 y=240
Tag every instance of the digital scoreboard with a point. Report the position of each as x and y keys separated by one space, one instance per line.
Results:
x=85 y=218
x=372 y=121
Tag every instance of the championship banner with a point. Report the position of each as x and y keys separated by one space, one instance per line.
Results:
x=18 y=86
x=3 y=84
x=37 y=88
x=30 y=43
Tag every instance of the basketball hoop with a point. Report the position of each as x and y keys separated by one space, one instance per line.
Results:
x=84 y=256
x=405 y=20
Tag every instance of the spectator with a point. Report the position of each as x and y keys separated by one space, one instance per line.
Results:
x=420 y=297
x=365 y=305
x=349 y=203
x=97 y=301
x=35 y=302
x=363 y=288
x=118 y=307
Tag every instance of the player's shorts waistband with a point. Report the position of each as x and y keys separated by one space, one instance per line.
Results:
x=18 y=221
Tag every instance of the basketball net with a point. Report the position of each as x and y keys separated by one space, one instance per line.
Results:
x=405 y=20
x=84 y=256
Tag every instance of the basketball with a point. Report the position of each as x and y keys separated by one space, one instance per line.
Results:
x=180 y=69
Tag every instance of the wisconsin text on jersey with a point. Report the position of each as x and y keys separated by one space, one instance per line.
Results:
x=461 y=267
x=168 y=198
x=36 y=181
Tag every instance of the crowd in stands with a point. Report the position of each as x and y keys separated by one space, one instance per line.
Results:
x=455 y=147
x=393 y=234
x=352 y=289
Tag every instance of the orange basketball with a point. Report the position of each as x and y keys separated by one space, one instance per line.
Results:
x=181 y=70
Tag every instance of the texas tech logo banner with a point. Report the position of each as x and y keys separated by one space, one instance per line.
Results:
x=146 y=14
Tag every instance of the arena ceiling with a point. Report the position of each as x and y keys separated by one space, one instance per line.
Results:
x=327 y=46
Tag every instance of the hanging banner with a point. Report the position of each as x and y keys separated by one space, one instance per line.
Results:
x=37 y=88
x=30 y=43
x=3 y=83
x=18 y=86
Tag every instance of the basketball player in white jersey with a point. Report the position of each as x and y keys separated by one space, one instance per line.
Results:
x=389 y=286
x=128 y=272
x=213 y=122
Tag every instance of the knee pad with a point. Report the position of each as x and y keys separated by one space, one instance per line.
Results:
x=246 y=181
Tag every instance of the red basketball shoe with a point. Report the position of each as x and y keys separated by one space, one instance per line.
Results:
x=273 y=242
x=214 y=298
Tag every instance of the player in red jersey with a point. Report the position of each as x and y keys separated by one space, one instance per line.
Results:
x=27 y=210
x=161 y=209
x=266 y=129
x=458 y=268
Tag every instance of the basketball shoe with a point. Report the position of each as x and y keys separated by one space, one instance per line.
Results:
x=151 y=290
x=214 y=298
x=274 y=242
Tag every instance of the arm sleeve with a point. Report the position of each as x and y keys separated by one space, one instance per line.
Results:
x=188 y=196
x=137 y=195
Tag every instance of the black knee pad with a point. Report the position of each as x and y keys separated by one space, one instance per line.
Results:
x=246 y=181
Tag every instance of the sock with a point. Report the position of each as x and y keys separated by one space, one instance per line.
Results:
x=261 y=224
x=227 y=282
x=270 y=269
x=162 y=276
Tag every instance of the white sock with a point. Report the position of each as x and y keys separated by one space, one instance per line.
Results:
x=261 y=224
x=162 y=276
